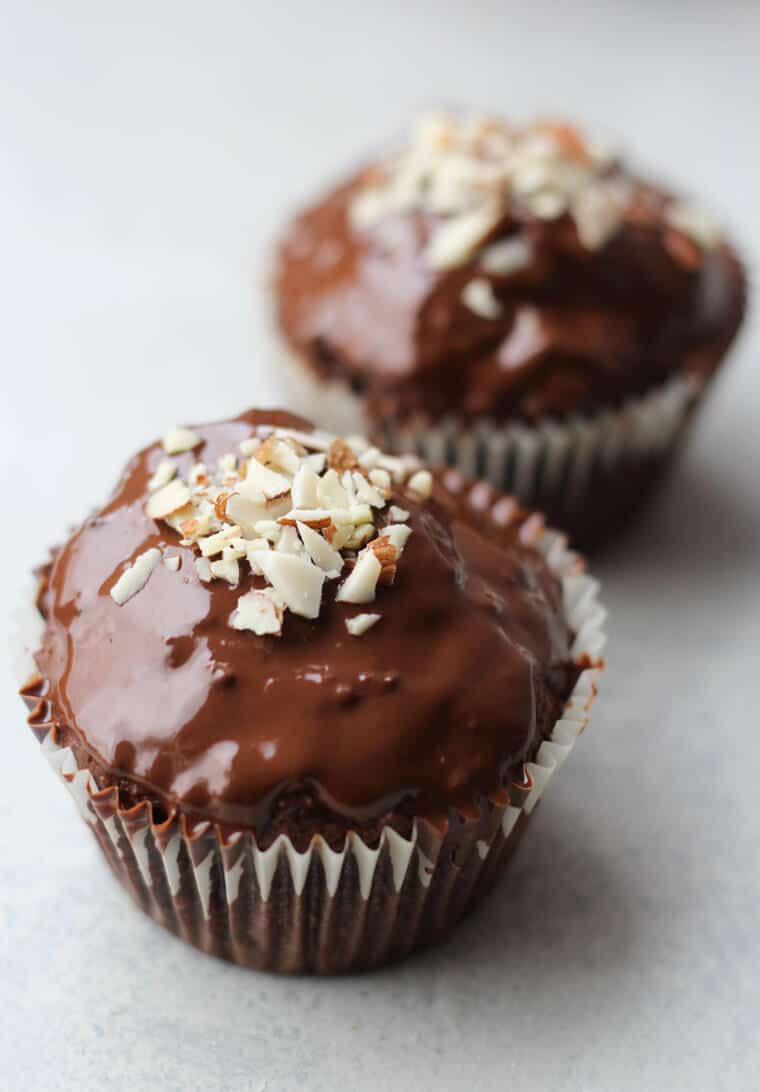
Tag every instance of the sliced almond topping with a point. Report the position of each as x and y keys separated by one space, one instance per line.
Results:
x=198 y=475
x=226 y=570
x=236 y=549
x=172 y=562
x=220 y=505
x=506 y=257
x=260 y=611
x=317 y=462
x=341 y=456
x=249 y=446
x=320 y=551
x=165 y=471
x=134 y=578
x=203 y=569
x=359 y=536
x=297 y=580
x=459 y=237
x=331 y=493
x=360 y=623
x=313 y=517
x=478 y=296
x=421 y=483
x=289 y=542
x=214 y=544
x=279 y=453
x=312 y=441
x=380 y=478
x=305 y=490
x=260 y=479
x=366 y=493
x=370 y=458
x=360 y=585
x=169 y=499
x=386 y=553
x=398 y=515
x=398 y=533
x=178 y=440
x=196 y=527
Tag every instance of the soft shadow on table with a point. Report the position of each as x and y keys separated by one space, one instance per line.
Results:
x=703 y=520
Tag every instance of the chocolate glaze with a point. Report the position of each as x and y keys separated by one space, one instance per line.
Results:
x=579 y=331
x=436 y=705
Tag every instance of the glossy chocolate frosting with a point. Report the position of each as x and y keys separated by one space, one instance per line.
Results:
x=578 y=328
x=436 y=705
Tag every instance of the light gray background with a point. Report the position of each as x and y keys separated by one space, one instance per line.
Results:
x=149 y=153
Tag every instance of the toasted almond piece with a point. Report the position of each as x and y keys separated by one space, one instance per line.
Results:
x=320 y=551
x=366 y=493
x=360 y=623
x=457 y=238
x=478 y=296
x=370 y=458
x=507 y=256
x=198 y=474
x=380 y=478
x=312 y=441
x=398 y=533
x=136 y=576
x=260 y=611
x=227 y=463
x=360 y=585
x=296 y=579
x=247 y=511
x=203 y=569
x=279 y=453
x=269 y=529
x=226 y=570
x=338 y=534
x=214 y=544
x=176 y=519
x=247 y=447
x=178 y=440
x=220 y=505
x=398 y=515
x=305 y=489
x=317 y=461
x=172 y=562
x=289 y=542
x=260 y=479
x=164 y=473
x=361 y=513
x=234 y=550
x=421 y=483
x=330 y=492
x=341 y=456
x=360 y=536
x=386 y=553
x=255 y=547
x=169 y=499
x=197 y=526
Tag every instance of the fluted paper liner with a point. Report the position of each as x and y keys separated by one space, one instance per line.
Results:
x=325 y=910
x=583 y=473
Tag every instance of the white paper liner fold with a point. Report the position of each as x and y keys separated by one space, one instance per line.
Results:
x=555 y=467
x=323 y=909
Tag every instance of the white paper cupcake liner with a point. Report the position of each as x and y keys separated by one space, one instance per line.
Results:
x=610 y=458
x=325 y=910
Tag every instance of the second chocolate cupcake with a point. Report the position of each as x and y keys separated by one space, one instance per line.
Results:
x=515 y=303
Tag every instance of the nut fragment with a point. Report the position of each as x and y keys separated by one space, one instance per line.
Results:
x=134 y=578
x=479 y=297
x=165 y=471
x=320 y=551
x=169 y=499
x=422 y=483
x=341 y=456
x=386 y=553
x=359 y=586
x=260 y=611
x=178 y=440
x=297 y=580
x=226 y=570
x=360 y=623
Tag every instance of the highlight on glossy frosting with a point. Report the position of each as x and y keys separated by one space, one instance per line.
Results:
x=490 y=269
x=420 y=682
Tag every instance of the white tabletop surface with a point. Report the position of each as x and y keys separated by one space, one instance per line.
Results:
x=150 y=151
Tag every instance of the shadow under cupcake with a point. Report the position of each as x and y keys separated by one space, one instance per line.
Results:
x=305 y=694
x=515 y=303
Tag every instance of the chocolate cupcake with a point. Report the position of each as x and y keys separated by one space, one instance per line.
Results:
x=515 y=303
x=307 y=694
